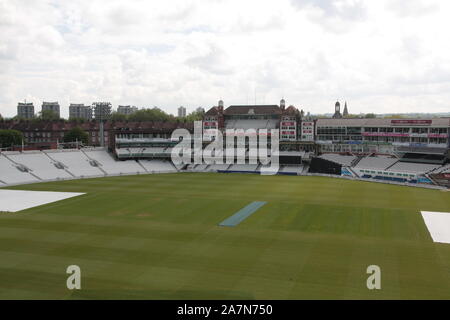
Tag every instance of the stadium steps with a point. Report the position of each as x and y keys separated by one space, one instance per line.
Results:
x=429 y=176
x=356 y=161
x=36 y=176
x=67 y=170
x=15 y=162
x=56 y=161
x=99 y=166
x=98 y=163
x=305 y=168
x=391 y=165
x=353 y=172
x=142 y=166
x=17 y=165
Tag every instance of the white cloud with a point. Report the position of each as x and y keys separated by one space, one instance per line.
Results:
x=380 y=56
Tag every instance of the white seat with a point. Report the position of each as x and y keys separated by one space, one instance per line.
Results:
x=76 y=161
x=40 y=165
x=243 y=167
x=111 y=166
x=417 y=168
x=9 y=174
x=158 y=166
x=375 y=163
x=343 y=160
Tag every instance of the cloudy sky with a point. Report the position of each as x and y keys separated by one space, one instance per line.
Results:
x=380 y=56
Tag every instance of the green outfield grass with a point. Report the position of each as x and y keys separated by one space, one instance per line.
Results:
x=157 y=237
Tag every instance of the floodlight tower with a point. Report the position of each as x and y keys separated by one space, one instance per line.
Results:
x=102 y=111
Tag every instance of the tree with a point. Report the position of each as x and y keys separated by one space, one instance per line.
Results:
x=370 y=116
x=355 y=116
x=154 y=114
x=10 y=138
x=76 y=134
x=48 y=115
x=394 y=116
x=196 y=115
x=116 y=116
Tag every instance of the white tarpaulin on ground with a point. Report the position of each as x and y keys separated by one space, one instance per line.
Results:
x=17 y=200
x=438 y=223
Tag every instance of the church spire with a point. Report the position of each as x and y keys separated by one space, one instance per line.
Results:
x=345 y=113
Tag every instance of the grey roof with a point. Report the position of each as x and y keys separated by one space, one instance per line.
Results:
x=252 y=109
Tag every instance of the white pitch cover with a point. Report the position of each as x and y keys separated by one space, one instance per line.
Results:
x=438 y=224
x=17 y=200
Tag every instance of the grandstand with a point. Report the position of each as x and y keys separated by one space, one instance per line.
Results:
x=219 y=167
x=409 y=167
x=424 y=158
x=50 y=165
x=295 y=170
x=76 y=162
x=342 y=160
x=443 y=169
x=381 y=168
x=126 y=153
x=108 y=164
x=375 y=162
x=154 y=166
x=200 y=167
x=250 y=168
x=39 y=165
x=10 y=174
x=36 y=166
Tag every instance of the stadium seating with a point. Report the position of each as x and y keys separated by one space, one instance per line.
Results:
x=123 y=152
x=9 y=174
x=443 y=169
x=337 y=158
x=416 y=168
x=200 y=167
x=218 y=167
x=35 y=166
x=158 y=166
x=111 y=166
x=291 y=169
x=243 y=167
x=141 y=152
x=151 y=151
x=376 y=163
x=76 y=161
x=40 y=165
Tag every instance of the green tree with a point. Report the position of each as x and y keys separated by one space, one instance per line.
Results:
x=115 y=116
x=48 y=115
x=76 y=134
x=370 y=116
x=153 y=114
x=394 y=116
x=196 y=115
x=10 y=138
